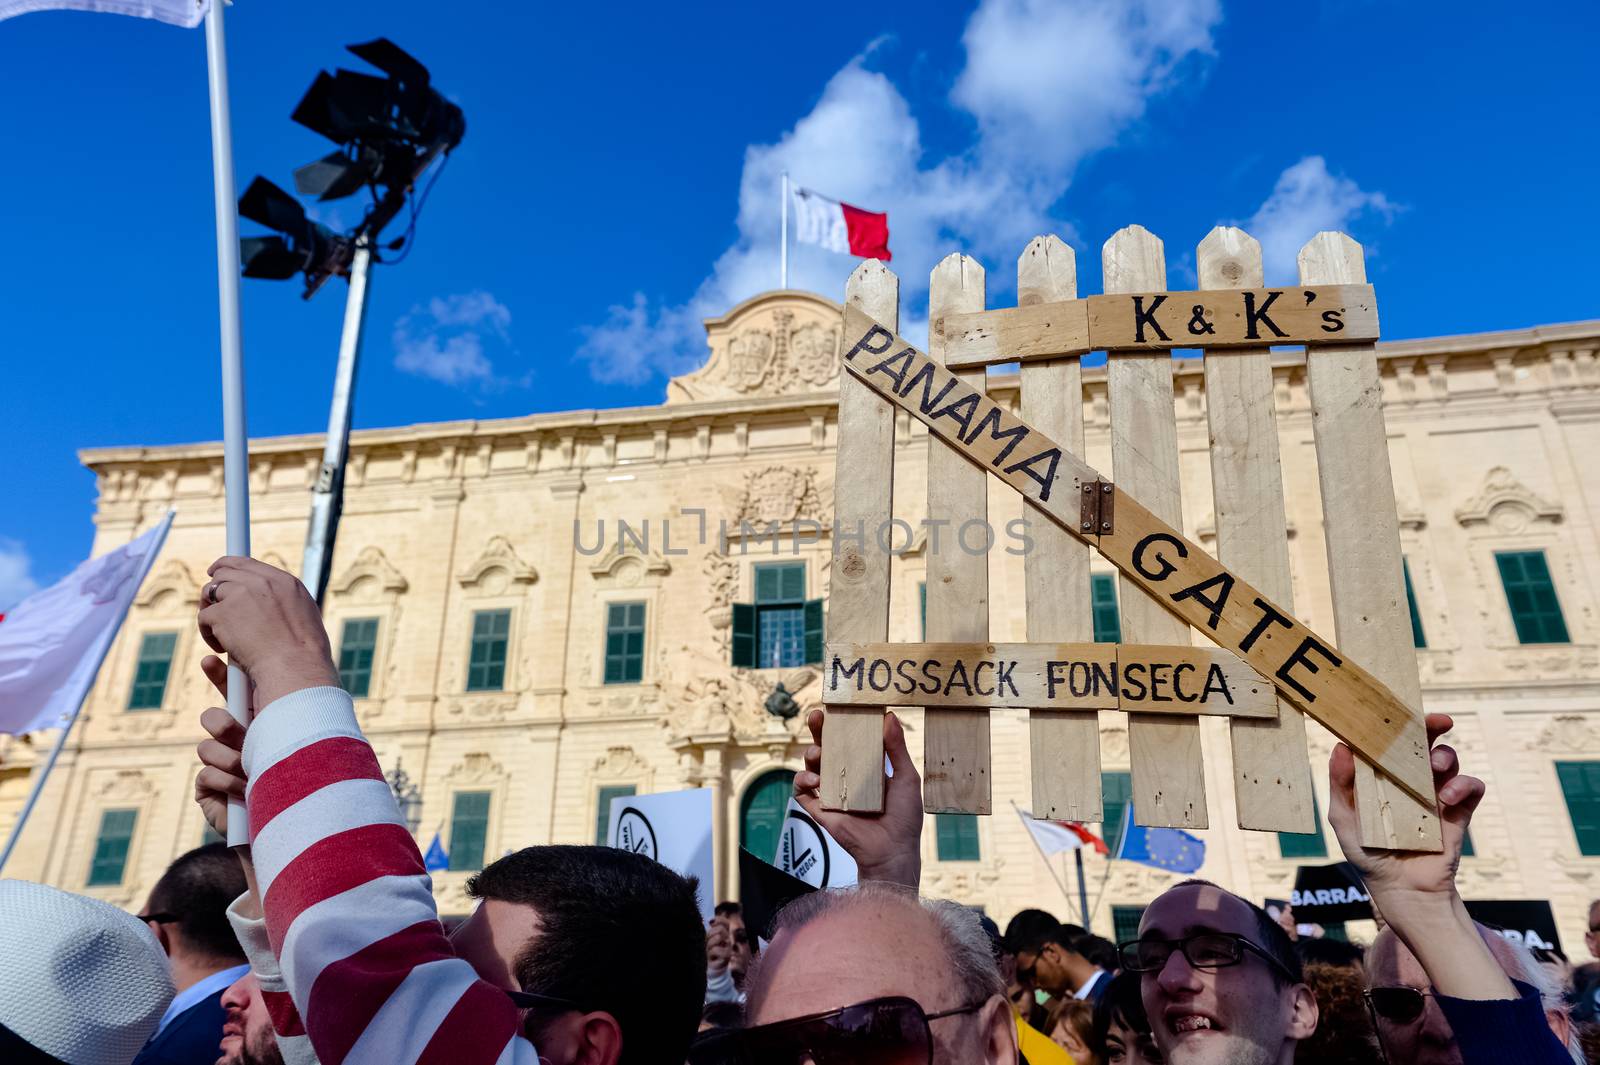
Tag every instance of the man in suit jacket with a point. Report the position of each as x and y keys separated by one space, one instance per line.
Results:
x=1064 y=963
x=187 y=911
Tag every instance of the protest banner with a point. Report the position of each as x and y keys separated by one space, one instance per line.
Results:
x=674 y=828
x=808 y=853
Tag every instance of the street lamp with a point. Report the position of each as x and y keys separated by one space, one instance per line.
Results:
x=407 y=796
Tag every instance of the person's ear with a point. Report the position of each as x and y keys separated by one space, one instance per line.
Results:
x=1560 y=1023
x=997 y=1032
x=161 y=935
x=599 y=1040
x=1303 y=1012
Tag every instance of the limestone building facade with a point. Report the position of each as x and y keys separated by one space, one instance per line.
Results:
x=540 y=613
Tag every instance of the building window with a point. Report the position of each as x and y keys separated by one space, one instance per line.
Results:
x=1417 y=637
x=1467 y=848
x=782 y=628
x=1305 y=844
x=486 y=666
x=762 y=812
x=624 y=643
x=1580 y=786
x=1531 y=594
x=469 y=830
x=1103 y=599
x=956 y=836
x=1125 y=922
x=356 y=647
x=111 y=847
x=150 y=675
x=602 y=819
x=1116 y=792
x=922 y=598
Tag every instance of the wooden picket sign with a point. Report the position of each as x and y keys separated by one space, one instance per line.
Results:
x=1160 y=321
x=1067 y=676
x=1271 y=667
x=1305 y=668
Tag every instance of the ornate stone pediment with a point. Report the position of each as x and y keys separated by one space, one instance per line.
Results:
x=372 y=564
x=626 y=564
x=171 y=576
x=1507 y=504
x=780 y=494
x=777 y=343
x=498 y=556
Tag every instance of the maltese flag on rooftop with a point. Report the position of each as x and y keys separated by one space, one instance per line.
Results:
x=185 y=13
x=838 y=226
x=52 y=643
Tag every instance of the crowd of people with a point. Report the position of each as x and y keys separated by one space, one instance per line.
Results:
x=320 y=942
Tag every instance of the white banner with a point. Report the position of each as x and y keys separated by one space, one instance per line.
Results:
x=185 y=13
x=807 y=852
x=674 y=828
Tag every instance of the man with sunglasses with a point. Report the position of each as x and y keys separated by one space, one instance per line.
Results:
x=1448 y=989
x=1220 y=979
x=872 y=975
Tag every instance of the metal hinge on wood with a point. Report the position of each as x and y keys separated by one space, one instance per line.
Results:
x=1095 y=510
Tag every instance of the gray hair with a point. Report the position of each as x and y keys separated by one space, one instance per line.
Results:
x=972 y=966
x=1520 y=964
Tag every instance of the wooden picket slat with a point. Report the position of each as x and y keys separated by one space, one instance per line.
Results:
x=1169 y=783
x=858 y=588
x=1046 y=327
x=1271 y=768
x=1181 y=680
x=956 y=742
x=1064 y=745
x=1363 y=535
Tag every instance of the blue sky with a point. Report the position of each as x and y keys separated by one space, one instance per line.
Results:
x=617 y=183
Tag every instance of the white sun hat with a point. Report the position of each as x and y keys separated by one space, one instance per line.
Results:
x=80 y=980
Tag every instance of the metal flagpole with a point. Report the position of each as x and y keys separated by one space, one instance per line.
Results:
x=1083 y=892
x=235 y=439
x=783 y=240
x=1045 y=858
x=327 y=498
x=61 y=740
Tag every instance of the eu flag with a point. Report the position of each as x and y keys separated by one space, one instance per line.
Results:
x=1171 y=849
x=436 y=860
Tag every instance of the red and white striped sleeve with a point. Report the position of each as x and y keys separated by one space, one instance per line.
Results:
x=349 y=906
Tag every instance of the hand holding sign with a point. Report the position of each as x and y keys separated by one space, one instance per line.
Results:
x=886 y=846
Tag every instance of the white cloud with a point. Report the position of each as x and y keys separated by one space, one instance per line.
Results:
x=1306 y=200
x=443 y=340
x=1046 y=83
x=16 y=580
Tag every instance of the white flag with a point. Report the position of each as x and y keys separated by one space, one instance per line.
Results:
x=674 y=828
x=185 y=13
x=52 y=643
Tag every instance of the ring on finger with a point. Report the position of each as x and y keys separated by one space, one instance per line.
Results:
x=209 y=592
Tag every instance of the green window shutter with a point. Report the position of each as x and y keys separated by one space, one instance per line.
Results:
x=1580 y=786
x=110 y=859
x=1107 y=623
x=150 y=675
x=1125 y=922
x=602 y=818
x=780 y=582
x=1305 y=844
x=813 y=632
x=1116 y=790
x=624 y=643
x=762 y=811
x=357 y=645
x=1531 y=595
x=744 y=635
x=1467 y=849
x=469 y=830
x=1418 y=639
x=922 y=596
x=486 y=665
x=956 y=836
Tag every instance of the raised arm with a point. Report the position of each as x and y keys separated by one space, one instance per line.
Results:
x=347 y=903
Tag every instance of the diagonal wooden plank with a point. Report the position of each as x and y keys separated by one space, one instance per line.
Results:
x=1271 y=767
x=1065 y=745
x=1304 y=667
x=1169 y=782
x=1363 y=533
x=955 y=751
x=858 y=588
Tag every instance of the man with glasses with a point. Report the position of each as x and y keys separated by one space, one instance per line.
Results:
x=872 y=975
x=1221 y=981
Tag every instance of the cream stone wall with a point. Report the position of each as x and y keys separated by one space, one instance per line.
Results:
x=1493 y=441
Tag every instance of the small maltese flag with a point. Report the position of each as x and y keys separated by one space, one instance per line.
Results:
x=52 y=643
x=838 y=226
x=1053 y=837
x=185 y=13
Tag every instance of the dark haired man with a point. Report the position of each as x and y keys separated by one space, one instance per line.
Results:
x=1221 y=982
x=1062 y=966
x=188 y=912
